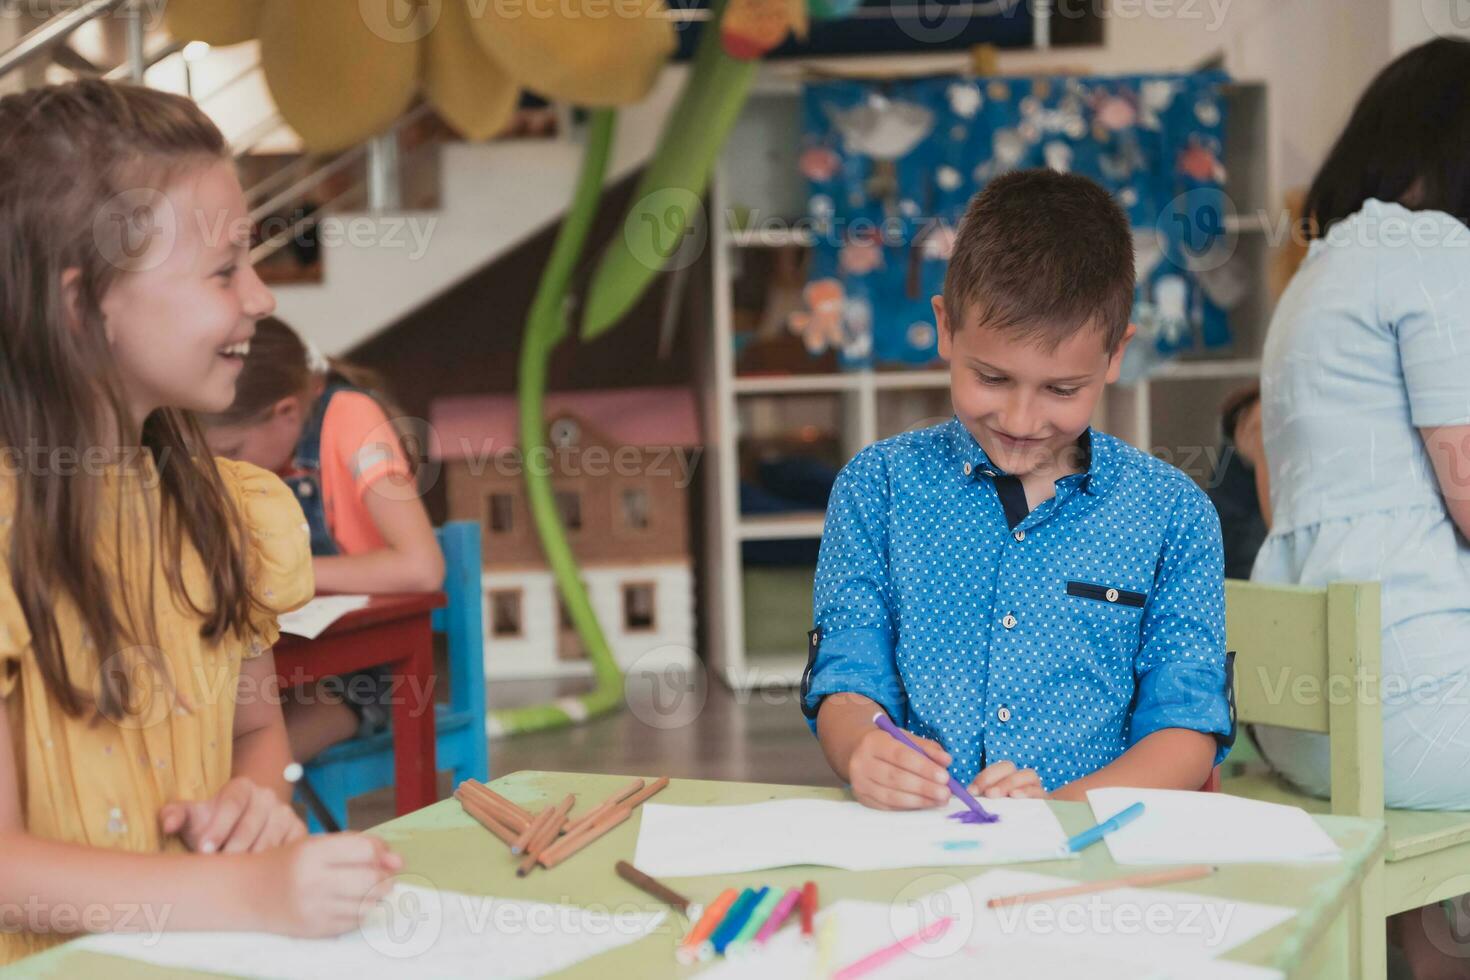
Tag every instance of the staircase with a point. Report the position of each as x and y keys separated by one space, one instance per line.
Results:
x=493 y=196
x=379 y=262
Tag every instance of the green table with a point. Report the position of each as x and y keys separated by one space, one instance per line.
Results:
x=441 y=844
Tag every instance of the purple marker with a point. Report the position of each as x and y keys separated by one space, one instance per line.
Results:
x=977 y=814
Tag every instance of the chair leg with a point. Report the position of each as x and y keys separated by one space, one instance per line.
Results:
x=1369 y=952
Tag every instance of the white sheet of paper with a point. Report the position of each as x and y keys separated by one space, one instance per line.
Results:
x=1126 y=934
x=417 y=932
x=678 y=841
x=1184 y=827
x=314 y=617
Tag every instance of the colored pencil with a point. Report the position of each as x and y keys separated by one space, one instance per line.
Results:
x=545 y=836
x=957 y=788
x=571 y=844
x=506 y=812
x=601 y=808
x=885 y=955
x=637 y=799
x=779 y=915
x=484 y=792
x=1188 y=873
x=688 y=951
x=485 y=819
x=589 y=832
x=536 y=829
x=758 y=917
x=808 y=909
x=737 y=918
x=651 y=886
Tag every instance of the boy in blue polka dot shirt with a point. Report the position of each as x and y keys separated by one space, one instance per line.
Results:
x=1041 y=605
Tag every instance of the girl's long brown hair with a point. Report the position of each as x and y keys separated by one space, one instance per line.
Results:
x=77 y=162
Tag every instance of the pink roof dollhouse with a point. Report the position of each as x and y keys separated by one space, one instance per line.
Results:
x=621 y=463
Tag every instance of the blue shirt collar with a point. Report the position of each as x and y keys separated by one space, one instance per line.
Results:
x=1102 y=462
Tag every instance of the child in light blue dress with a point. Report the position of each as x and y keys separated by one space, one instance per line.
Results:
x=1368 y=355
x=1366 y=427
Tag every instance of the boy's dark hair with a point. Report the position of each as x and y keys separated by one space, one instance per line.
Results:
x=1045 y=254
x=1406 y=141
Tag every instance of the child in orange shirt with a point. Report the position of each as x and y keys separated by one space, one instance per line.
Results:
x=142 y=749
x=316 y=423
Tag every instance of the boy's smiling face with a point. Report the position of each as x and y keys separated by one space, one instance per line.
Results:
x=1024 y=403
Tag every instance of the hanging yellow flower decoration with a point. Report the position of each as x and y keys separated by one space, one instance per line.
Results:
x=343 y=70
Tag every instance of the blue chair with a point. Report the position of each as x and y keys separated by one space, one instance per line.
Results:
x=362 y=765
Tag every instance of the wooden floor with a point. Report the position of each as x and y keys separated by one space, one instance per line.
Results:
x=756 y=736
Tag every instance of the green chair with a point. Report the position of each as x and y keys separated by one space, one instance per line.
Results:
x=1309 y=659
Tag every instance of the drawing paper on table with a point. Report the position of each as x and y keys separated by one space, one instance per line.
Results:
x=1129 y=934
x=312 y=619
x=677 y=841
x=1184 y=827
x=417 y=931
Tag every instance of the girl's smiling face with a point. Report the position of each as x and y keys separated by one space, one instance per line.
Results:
x=180 y=316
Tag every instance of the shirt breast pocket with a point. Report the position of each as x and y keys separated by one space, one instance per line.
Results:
x=1106 y=593
x=1109 y=616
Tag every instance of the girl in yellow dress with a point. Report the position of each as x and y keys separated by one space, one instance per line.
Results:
x=141 y=744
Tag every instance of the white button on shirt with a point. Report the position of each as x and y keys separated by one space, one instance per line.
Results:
x=1004 y=714
x=1009 y=622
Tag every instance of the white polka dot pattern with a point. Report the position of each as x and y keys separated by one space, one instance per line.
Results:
x=964 y=631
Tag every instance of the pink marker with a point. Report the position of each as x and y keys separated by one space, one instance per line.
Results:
x=778 y=915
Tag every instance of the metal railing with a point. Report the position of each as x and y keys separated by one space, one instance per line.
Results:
x=290 y=184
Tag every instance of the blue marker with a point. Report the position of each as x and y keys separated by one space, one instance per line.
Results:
x=735 y=919
x=1093 y=835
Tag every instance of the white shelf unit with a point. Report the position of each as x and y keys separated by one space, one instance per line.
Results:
x=760 y=159
x=1174 y=414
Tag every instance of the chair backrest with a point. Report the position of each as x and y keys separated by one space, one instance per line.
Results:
x=460 y=618
x=1310 y=659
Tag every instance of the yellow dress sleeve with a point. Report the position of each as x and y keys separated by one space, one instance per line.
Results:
x=278 y=548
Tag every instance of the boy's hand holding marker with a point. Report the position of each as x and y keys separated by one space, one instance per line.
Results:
x=887 y=775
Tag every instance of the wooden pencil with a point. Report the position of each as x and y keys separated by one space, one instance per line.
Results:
x=637 y=799
x=568 y=846
x=497 y=805
x=485 y=819
x=651 y=886
x=538 y=826
x=604 y=806
x=545 y=836
x=1188 y=873
x=588 y=832
x=510 y=814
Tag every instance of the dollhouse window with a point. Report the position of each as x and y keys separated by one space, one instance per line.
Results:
x=502 y=513
x=505 y=613
x=638 y=607
x=635 y=509
x=569 y=507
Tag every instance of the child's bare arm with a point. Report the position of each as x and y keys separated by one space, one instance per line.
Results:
x=261 y=752
x=1170 y=758
x=313 y=888
x=884 y=773
x=410 y=560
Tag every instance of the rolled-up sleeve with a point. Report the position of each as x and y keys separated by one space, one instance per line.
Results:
x=1180 y=666
x=852 y=645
